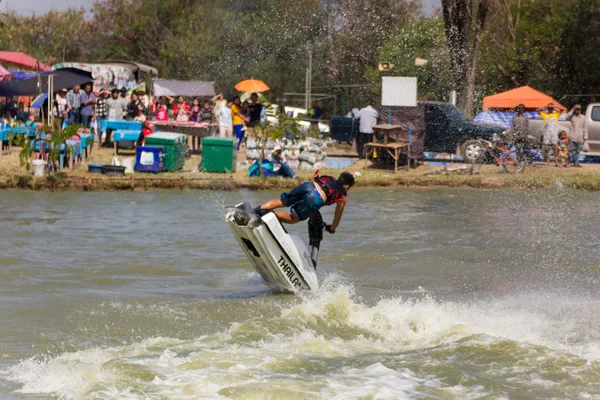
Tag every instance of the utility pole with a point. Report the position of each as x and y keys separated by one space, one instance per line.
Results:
x=308 y=80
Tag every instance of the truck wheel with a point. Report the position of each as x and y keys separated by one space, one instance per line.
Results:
x=471 y=150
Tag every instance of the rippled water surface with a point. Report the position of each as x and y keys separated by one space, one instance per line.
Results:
x=426 y=294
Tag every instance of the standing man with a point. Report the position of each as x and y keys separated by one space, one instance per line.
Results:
x=134 y=106
x=101 y=112
x=314 y=114
x=577 y=136
x=74 y=106
x=520 y=127
x=88 y=100
x=124 y=94
x=368 y=117
x=255 y=113
x=115 y=106
x=550 y=135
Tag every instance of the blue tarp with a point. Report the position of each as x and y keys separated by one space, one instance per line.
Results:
x=39 y=101
x=20 y=74
x=504 y=119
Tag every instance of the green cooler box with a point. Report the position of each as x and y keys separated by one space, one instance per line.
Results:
x=218 y=154
x=175 y=148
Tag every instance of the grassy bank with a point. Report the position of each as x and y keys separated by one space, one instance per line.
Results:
x=12 y=175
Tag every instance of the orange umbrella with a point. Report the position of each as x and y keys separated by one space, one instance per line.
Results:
x=252 y=85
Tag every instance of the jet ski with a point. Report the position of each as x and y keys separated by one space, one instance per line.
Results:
x=280 y=258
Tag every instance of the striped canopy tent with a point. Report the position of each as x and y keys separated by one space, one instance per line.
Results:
x=529 y=97
x=504 y=118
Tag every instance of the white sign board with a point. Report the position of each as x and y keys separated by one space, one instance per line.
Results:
x=399 y=91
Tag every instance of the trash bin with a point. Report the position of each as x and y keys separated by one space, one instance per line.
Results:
x=175 y=145
x=150 y=159
x=218 y=154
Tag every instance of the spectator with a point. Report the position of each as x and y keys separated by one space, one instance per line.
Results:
x=238 y=120
x=141 y=116
x=225 y=121
x=101 y=112
x=124 y=94
x=520 y=125
x=133 y=106
x=314 y=114
x=246 y=113
x=561 y=150
x=280 y=166
x=74 y=106
x=162 y=112
x=181 y=110
x=368 y=117
x=59 y=110
x=88 y=101
x=206 y=113
x=30 y=123
x=195 y=111
x=254 y=112
x=115 y=106
x=220 y=102
x=577 y=136
x=550 y=133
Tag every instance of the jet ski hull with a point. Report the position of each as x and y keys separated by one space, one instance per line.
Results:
x=280 y=258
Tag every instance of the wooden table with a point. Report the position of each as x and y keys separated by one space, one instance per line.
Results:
x=393 y=149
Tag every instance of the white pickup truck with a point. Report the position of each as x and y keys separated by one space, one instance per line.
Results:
x=592 y=123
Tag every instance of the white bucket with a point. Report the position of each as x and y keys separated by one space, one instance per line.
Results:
x=129 y=164
x=39 y=167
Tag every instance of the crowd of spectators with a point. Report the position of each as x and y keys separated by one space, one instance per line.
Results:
x=80 y=106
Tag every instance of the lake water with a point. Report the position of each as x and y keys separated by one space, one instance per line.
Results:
x=426 y=294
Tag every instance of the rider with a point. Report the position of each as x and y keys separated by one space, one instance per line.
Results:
x=306 y=199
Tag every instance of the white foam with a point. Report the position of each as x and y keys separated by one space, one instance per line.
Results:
x=313 y=347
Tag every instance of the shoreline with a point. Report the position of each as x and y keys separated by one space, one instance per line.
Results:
x=13 y=176
x=370 y=178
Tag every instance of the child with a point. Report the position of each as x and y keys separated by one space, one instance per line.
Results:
x=561 y=150
x=162 y=113
x=141 y=117
x=195 y=111
x=306 y=200
x=30 y=123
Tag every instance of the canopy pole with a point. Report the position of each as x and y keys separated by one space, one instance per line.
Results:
x=39 y=85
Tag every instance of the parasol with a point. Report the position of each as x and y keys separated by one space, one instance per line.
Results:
x=252 y=85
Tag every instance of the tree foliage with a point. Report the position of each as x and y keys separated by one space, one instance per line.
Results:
x=548 y=44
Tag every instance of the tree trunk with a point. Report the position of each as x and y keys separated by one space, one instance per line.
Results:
x=464 y=44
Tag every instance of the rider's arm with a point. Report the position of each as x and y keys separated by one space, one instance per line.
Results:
x=339 y=210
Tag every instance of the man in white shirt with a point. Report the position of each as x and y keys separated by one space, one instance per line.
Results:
x=225 y=120
x=368 y=117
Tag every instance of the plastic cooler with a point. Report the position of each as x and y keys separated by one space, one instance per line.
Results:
x=219 y=154
x=150 y=159
x=175 y=145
